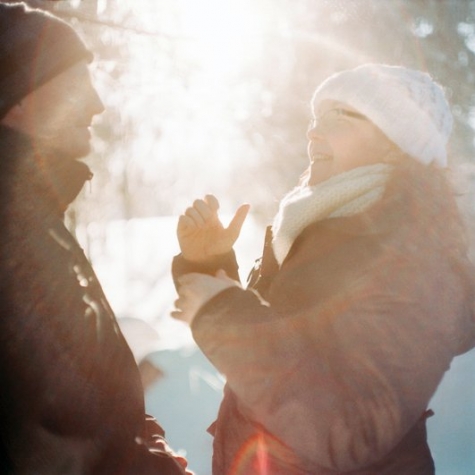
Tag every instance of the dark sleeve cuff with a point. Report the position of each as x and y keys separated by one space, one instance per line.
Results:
x=226 y=262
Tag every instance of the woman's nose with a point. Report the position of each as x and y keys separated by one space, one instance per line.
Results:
x=314 y=132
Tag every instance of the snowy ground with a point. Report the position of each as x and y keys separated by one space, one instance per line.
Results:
x=452 y=428
x=185 y=402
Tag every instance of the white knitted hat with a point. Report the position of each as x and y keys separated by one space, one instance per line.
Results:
x=407 y=105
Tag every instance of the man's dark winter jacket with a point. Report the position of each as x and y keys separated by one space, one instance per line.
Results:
x=332 y=358
x=71 y=400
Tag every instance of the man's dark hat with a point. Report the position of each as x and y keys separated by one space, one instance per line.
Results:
x=35 y=46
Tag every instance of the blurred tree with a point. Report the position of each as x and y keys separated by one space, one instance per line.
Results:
x=173 y=131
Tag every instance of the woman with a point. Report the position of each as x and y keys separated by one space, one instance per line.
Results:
x=361 y=300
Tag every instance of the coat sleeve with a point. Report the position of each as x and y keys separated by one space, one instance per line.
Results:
x=343 y=381
x=226 y=262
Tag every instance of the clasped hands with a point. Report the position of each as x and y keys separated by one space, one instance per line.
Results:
x=202 y=236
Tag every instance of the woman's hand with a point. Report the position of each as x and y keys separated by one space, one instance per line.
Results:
x=201 y=234
x=194 y=290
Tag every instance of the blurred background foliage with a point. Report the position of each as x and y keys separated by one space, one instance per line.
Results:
x=211 y=96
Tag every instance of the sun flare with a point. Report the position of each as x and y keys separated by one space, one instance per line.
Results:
x=226 y=33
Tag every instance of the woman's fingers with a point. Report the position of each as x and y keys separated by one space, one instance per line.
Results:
x=185 y=222
x=205 y=210
x=236 y=223
x=177 y=312
x=181 y=311
x=187 y=280
x=212 y=202
x=200 y=213
x=194 y=290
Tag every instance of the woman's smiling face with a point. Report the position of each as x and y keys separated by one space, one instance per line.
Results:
x=340 y=139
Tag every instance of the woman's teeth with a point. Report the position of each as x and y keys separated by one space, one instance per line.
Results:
x=321 y=157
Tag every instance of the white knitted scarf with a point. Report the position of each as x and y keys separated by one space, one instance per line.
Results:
x=345 y=194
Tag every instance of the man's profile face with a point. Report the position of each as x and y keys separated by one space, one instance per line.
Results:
x=58 y=114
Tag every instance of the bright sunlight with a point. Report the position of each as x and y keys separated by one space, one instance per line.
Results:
x=228 y=33
x=221 y=36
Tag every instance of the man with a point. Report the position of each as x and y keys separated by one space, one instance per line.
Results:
x=71 y=400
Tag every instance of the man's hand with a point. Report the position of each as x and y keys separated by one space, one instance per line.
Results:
x=201 y=234
x=194 y=290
